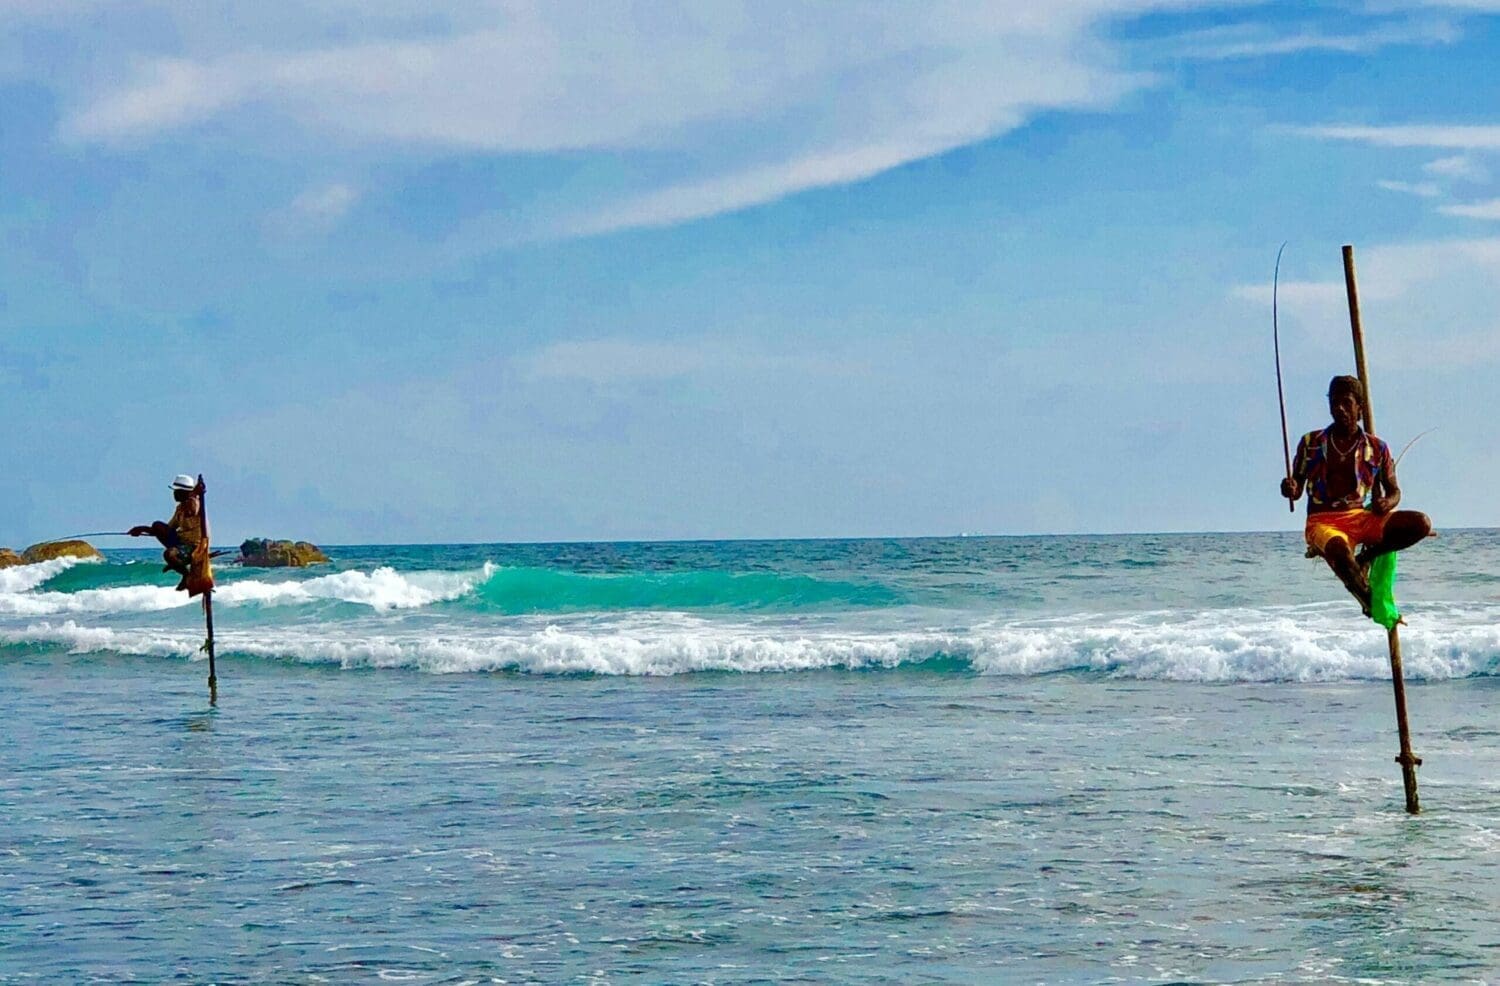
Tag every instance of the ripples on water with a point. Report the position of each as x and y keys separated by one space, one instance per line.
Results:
x=933 y=825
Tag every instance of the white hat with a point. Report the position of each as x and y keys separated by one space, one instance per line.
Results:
x=185 y=482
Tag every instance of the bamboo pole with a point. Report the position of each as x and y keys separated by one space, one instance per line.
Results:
x=208 y=600
x=208 y=645
x=1408 y=761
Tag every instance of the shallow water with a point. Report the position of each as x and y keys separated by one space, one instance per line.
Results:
x=1129 y=817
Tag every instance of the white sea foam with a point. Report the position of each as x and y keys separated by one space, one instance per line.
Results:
x=1312 y=643
x=90 y=640
x=24 y=578
x=381 y=590
x=121 y=599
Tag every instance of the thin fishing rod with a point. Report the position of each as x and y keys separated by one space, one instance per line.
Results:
x=1407 y=447
x=1286 y=450
x=91 y=534
x=126 y=534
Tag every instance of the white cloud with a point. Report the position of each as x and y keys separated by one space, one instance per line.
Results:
x=316 y=210
x=1425 y=189
x=1252 y=41
x=1293 y=294
x=168 y=93
x=1431 y=300
x=326 y=202
x=751 y=101
x=725 y=193
x=1459 y=167
x=1488 y=209
x=1456 y=137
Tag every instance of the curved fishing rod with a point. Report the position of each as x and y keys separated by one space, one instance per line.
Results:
x=125 y=534
x=1407 y=447
x=1286 y=450
x=91 y=534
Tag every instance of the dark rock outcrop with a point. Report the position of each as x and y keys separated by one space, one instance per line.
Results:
x=59 y=549
x=263 y=553
x=9 y=558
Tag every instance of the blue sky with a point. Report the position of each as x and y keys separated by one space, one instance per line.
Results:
x=420 y=271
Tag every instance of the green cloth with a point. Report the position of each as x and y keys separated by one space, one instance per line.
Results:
x=1382 y=590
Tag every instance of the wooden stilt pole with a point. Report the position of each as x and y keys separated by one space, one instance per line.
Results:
x=208 y=600
x=1408 y=761
x=208 y=645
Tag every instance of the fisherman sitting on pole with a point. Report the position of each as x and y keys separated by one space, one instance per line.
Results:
x=1352 y=493
x=182 y=536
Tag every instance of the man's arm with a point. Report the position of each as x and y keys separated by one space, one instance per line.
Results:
x=1291 y=486
x=160 y=530
x=1385 y=480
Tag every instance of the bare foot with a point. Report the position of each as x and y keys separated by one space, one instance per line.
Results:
x=1361 y=592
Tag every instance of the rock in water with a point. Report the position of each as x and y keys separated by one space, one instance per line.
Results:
x=264 y=553
x=59 y=549
x=9 y=558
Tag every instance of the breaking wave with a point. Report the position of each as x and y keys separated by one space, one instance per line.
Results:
x=24 y=578
x=489 y=589
x=1307 y=644
x=381 y=590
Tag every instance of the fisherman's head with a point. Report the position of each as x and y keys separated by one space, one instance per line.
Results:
x=183 y=487
x=1346 y=401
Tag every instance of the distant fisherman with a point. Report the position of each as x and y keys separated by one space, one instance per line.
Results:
x=183 y=537
x=1352 y=493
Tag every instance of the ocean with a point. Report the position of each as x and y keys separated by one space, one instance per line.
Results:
x=1146 y=758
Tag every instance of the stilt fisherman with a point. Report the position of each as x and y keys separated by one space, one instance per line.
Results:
x=184 y=537
x=1352 y=493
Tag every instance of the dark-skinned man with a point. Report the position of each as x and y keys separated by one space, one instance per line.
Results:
x=183 y=534
x=1352 y=493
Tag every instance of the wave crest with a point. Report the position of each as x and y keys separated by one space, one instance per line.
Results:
x=491 y=589
x=1294 y=644
x=24 y=578
x=381 y=590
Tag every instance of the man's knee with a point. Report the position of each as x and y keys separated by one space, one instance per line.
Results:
x=1409 y=526
x=1337 y=550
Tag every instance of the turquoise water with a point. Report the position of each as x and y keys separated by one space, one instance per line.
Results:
x=971 y=760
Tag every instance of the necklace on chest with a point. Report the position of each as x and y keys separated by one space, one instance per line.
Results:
x=1343 y=453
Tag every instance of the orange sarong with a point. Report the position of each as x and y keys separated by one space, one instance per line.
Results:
x=1356 y=527
x=200 y=577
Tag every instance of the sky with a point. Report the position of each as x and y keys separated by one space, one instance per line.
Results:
x=418 y=271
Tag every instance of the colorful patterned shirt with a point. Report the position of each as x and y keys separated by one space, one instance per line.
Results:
x=1372 y=460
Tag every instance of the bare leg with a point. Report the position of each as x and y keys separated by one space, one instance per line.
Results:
x=173 y=555
x=1340 y=558
x=1403 y=529
x=164 y=534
